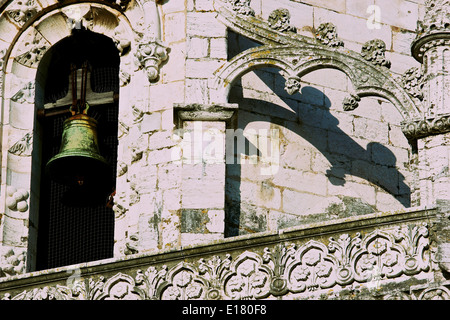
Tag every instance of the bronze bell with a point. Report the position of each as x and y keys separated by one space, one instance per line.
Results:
x=79 y=162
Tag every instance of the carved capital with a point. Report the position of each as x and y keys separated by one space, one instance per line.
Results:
x=326 y=34
x=280 y=20
x=423 y=44
x=425 y=127
x=150 y=54
x=374 y=51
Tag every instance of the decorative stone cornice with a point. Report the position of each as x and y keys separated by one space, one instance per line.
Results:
x=314 y=267
x=327 y=260
x=425 y=127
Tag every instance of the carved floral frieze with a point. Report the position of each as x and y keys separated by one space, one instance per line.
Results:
x=424 y=127
x=344 y=262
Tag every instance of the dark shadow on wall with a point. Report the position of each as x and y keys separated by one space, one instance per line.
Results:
x=309 y=118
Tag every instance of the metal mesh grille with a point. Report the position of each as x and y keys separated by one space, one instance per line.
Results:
x=74 y=234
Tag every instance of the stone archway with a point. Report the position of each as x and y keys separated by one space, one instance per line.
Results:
x=23 y=48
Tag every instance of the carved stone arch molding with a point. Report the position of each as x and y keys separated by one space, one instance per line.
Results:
x=23 y=43
x=297 y=55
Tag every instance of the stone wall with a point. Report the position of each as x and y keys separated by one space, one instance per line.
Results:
x=235 y=117
x=332 y=162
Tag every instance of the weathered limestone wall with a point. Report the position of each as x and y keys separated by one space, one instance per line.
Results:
x=288 y=123
x=294 y=152
x=332 y=163
x=148 y=197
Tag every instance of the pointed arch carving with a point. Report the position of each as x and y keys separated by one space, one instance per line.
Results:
x=296 y=55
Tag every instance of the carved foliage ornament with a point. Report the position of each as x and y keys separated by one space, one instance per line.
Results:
x=150 y=54
x=21 y=11
x=425 y=127
x=326 y=34
x=285 y=268
x=413 y=81
x=16 y=199
x=351 y=102
x=374 y=51
x=36 y=49
x=25 y=94
x=2 y=63
x=292 y=85
x=23 y=147
x=242 y=7
x=436 y=19
x=12 y=263
x=280 y=20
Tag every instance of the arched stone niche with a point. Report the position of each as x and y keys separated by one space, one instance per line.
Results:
x=24 y=44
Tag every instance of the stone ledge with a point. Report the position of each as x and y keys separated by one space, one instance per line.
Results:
x=237 y=245
x=203 y=112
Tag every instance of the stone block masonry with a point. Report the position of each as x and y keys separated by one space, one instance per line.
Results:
x=243 y=120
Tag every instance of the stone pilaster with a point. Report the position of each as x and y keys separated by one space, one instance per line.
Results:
x=203 y=130
x=432 y=49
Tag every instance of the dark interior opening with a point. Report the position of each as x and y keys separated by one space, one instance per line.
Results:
x=72 y=230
